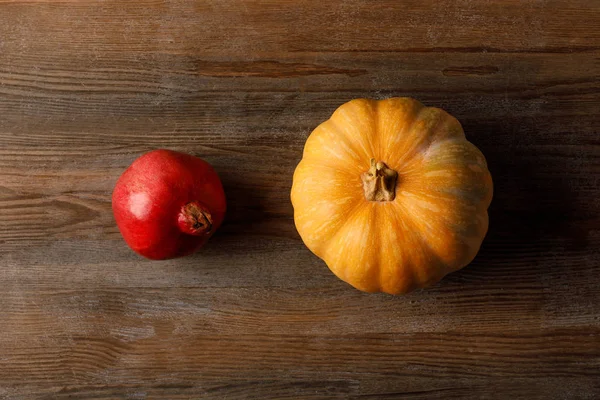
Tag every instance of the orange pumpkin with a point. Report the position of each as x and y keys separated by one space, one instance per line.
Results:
x=391 y=195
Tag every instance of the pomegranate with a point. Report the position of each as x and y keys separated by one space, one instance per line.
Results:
x=167 y=204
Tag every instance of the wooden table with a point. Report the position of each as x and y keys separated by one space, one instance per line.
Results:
x=86 y=87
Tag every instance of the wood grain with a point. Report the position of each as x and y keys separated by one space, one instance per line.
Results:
x=86 y=87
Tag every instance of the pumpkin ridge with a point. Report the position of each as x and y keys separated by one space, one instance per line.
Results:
x=479 y=201
x=425 y=141
x=450 y=204
x=299 y=203
x=350 y=216
x=322 y=248
x=404 y=267
x=364 y=141
x=324 y=132
x=318 y=161
x=425 y=248
x=440 y=142
x=376 y=147
x=376 y=214
x=447 y=227
x=409 y=127
x=406 y=127
x=370 y=107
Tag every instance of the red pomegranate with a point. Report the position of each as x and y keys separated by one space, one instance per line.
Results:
x=167 y=204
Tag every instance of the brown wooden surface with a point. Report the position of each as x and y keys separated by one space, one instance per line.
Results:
x=86 y=87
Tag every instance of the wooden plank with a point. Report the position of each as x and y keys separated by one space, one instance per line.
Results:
x=255 y=28
x=121 y=354
x=180 y=75
x=319 y=306
x=342 y=388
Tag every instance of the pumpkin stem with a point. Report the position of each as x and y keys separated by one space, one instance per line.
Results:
x=379 y=182
x=195 y=219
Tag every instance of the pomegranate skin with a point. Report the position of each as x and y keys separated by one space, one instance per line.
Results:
x=168 y=204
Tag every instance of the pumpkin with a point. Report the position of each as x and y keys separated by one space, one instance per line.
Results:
x=391 y=195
